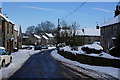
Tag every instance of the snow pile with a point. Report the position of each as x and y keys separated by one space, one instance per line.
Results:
x=67 y=48
x=51 y=47
x=106 y=55
x=108 y=70
x=18 y=59
x=93 y=46
x=80 y=50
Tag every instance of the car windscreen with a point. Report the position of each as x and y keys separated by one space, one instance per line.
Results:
x=2 y=51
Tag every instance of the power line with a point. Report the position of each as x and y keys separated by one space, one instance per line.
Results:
x=75 y=10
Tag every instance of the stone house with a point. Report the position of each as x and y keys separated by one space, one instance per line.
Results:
x=109 y=31
x=31 y=39
x=17 y=37
x=90 y=35
x=44 y=40
x=25 y=40
x=51 y=38
x=6 y=32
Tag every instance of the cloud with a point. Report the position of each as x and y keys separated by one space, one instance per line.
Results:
x=45 y=9
x=104 y=10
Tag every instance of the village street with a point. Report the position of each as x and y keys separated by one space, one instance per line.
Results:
x=42 y=65
x=59 y=40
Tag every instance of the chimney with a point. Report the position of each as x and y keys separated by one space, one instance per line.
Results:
x=97 y=26
x=0 y=10
x=5 y=15
x=117 y=11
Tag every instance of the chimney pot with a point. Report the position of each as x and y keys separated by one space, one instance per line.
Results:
x=0 y=10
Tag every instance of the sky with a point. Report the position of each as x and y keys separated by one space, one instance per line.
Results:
x=32 y=13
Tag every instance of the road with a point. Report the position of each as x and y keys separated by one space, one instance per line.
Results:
x=42 y=65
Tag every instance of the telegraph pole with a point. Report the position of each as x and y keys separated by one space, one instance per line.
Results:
x=58 y=22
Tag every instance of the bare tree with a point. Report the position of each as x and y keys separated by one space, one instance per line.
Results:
x=30 y=30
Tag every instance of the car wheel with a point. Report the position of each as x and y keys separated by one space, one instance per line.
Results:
x=3 y=64
x=11 y=60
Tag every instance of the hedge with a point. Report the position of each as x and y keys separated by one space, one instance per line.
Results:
x=91 y=60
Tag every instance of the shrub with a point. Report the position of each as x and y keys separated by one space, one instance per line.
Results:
x=88 y=50
x=115 y=52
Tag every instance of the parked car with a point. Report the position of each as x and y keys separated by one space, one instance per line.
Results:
x=44 y=47
x=37 y=47
x=5 y=58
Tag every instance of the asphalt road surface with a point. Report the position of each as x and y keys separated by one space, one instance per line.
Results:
x=42 y=66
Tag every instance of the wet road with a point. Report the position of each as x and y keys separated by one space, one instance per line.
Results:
x=41 y=65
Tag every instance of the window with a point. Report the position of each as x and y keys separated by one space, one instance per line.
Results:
x=3 y=52
x=12 y=29
x=7 y=28
x=3 y=26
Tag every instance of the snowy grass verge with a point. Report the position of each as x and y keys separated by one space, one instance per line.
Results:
x=108 y=70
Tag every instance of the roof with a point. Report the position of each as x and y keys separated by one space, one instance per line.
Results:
x=91 y=32
x=16 y=28
x=49 y=34
x=6 y=18
x=44 y=37
x=112 y=21
x=79 y=32
x=88 y=32
x=37 y=36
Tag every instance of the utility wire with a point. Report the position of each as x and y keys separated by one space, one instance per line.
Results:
x=75 y=10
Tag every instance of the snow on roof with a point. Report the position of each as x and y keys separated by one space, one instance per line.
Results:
x=6 y=18
x=37 y=36
x=88 y=32
x=91 y=32
x=16 y=28
x=84 y=32
x=44 y=37
x=112 y=21
x=49 y=34
x=79 y=32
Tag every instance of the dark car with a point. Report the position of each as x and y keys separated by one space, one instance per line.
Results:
x=44 y=47
x=37 y=47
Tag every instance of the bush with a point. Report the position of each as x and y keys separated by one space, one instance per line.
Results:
x=88 y=50
x=91 y=60
x=115 y=52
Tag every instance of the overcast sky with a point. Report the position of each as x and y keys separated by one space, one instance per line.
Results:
x=33 y=13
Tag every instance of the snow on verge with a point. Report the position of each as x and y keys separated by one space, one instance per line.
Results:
x=18 y=59
x=108 y=70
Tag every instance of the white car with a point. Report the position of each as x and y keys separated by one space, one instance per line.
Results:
x=5 y=58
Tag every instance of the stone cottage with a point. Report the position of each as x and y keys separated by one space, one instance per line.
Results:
x=109 y=30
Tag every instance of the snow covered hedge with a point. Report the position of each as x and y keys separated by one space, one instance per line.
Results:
x=91 y=60
x=92 y=48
